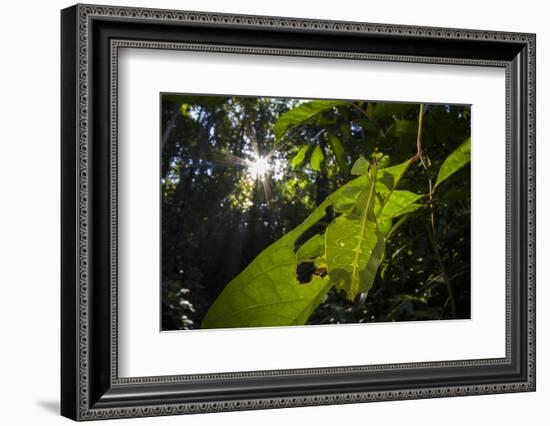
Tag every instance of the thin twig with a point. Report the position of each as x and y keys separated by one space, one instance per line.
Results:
x=359 y=109
x=412 y=160
x=431 y=228
x=430 y=191
x=446 y=279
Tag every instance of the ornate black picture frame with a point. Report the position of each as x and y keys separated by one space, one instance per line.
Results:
x=91 y=36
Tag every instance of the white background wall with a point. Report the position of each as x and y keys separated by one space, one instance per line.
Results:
x=29 y=211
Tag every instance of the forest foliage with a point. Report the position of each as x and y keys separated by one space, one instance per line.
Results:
x=288 y=212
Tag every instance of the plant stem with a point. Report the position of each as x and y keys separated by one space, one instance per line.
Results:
x=430 y=192
x=446 y=279
x=412 y=160
x=358 y=108
x=419 y=134
x=431 y=229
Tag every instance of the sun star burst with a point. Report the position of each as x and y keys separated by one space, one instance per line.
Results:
x=258 y=167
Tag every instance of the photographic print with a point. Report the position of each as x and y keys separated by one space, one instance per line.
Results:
x=260 y=183
x=283 y=211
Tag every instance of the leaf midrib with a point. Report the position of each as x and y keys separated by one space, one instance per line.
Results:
x=364 y=218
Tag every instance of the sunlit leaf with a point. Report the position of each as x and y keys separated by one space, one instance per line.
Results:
x=385 y=227
x=399 y=203
x=267 y=292
x=355 y=245
x=454 y=162
x=386 y=181
x=185 y=109
x=360 y=167
x=317 y=158
x=354 y=251
x=299 y=158
x=312 y=248
x=346 y=198
x=395 y=173
x=339 y=152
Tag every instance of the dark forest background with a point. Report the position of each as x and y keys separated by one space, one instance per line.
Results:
x=218 y=215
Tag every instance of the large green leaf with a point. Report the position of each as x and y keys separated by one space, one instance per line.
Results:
x=311 y=249
x=301 y=114
x=454 y=162
x=267 y=292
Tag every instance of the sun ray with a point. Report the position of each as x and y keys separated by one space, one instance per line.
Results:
x=267 y=191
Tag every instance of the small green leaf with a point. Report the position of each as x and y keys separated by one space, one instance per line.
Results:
x=299 y=158
x=360 y=167
x=339 y=153
x=454 y=162
x=399 y=203
x=317 y=158
x=185 y=109
x=396 y=172
x=382 y=160
x=388 y=178
x=346 y=198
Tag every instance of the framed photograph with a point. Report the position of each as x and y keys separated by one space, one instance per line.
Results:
x=263 y=212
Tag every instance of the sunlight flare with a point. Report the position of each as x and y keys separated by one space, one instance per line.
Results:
x=258 y=167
